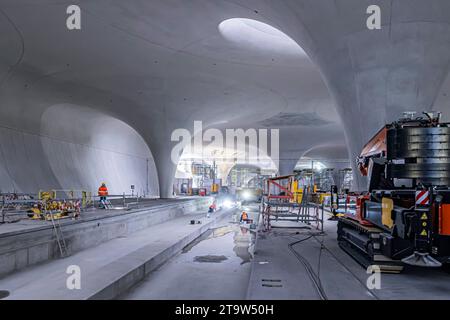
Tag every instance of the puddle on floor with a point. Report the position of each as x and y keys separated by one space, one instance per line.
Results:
x=243 y=243
x=210 y=259
x=210 y=234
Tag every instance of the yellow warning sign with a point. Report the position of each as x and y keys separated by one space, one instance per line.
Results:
x=424 y=217
x=424 y=233
x=387 y=205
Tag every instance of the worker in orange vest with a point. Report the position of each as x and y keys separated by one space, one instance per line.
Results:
x=212 y=208
x=102 y=193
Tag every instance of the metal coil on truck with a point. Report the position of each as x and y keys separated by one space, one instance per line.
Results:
x=421 y=153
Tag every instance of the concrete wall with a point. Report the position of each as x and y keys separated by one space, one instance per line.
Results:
x=160 y=65
x=75 y=148
x=21 y=249
x=373 y=75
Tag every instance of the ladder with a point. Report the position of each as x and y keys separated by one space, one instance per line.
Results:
x=59 y=236
x=107 y=204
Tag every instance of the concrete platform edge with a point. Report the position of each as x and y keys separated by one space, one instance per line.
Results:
x=22 y=249
x=124 y=282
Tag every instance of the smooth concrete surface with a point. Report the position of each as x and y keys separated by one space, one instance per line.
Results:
x=341 y=277
x=27 y=243
x=412 y=283
x=158 y=66
x=275 y=264
x=111 y=268
x=375 y=75
x=216 y=266
x=100 y=104
x=75 y=149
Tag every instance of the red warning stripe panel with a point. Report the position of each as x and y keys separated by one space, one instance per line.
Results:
x=422 y=197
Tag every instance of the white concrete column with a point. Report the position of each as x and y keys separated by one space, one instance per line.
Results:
x=376 y=75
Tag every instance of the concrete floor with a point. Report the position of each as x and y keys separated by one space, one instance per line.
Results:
x=216 y=266
x=227 y=262
x=105 y=264
x=341 y=277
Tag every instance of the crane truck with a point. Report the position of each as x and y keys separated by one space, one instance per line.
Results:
x=404 y=217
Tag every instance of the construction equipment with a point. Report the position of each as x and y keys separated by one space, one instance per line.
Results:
x=279 y=203
x=215 y=188
x=13 y=206
x=297 y=191
x=58 y=204
x=404 y=218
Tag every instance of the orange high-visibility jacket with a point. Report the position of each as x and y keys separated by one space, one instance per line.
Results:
x=103 y=191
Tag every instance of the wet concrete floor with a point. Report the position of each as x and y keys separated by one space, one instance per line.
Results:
x=215 y=266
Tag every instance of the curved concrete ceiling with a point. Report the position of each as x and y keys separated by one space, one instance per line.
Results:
x=333 y=156
x=327 y=152
x=261 y=40
x=159 y=65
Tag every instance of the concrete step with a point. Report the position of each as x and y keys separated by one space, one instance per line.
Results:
x=108 y=270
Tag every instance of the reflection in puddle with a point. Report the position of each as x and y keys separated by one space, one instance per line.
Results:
x=210 y=234
x=243 y=240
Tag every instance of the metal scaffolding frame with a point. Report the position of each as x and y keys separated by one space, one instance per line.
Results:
x=279 y=204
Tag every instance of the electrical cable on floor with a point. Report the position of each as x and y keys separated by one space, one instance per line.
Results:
x=344 y=266
x=312 y=275
x=320 y=258
x=315 y=277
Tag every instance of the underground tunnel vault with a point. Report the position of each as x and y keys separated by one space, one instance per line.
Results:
x=101 y=103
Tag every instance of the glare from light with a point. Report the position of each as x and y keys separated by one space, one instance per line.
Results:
x=319 y=166
x=246 y=195
x=308 y=164
x=228 y=204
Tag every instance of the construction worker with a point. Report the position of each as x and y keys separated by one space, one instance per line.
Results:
x=211 y=209
x=102 y=193
x=244 y=217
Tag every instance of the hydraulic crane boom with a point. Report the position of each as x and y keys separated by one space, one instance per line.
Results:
x=376 y=147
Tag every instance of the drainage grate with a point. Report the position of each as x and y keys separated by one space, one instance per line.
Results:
x=4 y=294
x=272 y=285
